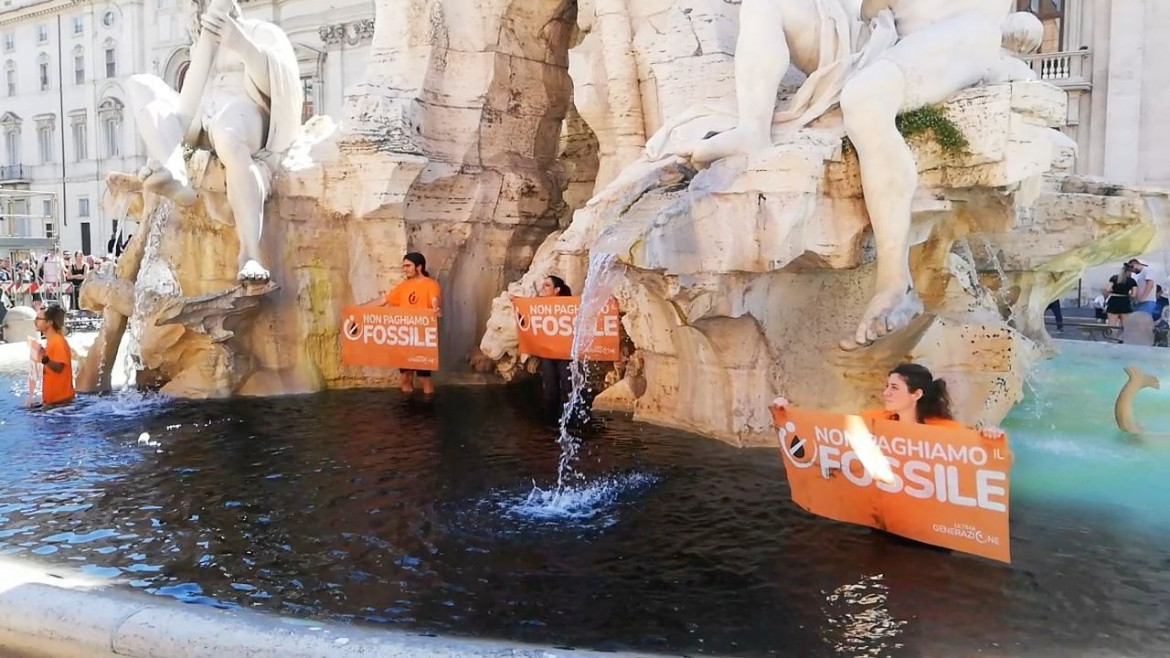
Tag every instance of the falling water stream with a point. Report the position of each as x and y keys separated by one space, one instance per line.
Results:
x=574 y=498
x=155 y=279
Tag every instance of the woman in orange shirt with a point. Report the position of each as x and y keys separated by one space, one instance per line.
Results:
x=913 y=395
x=55 y=356
x=419 y=290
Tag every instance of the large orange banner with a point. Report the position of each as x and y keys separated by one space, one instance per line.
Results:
x=388 y=337
x=545 y=326
x=941 y=486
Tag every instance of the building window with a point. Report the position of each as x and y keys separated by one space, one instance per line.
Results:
x=309 y=109
x=1051 y=14
x=43 y=72
x=42 y=34
x=78 y=66
x=110 y=115
x=9 y=42
x=45 y=140
x=11 y=126
x=79 y=25
x=111 y=62
x=20 y=227
x=47 y=213
x=80 y=137
x=109 y=18
x=10 y=78
x=12 y=146
x=83 y=206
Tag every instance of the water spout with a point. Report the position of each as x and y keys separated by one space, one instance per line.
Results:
x=598 y=288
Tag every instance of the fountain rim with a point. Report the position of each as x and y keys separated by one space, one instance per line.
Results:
x=40 y=618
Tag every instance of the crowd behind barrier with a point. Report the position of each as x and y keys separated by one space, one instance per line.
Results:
x=52 y=277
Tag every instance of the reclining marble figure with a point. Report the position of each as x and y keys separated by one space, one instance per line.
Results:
x=876 y=58
x=243 y=100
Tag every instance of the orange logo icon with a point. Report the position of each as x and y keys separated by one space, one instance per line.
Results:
x=351 y=329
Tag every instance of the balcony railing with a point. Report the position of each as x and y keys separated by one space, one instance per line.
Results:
x=1067 y=69
x=10 y=173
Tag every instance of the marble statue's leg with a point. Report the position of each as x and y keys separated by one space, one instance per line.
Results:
x=761 y=60
x=925 y=67
x=237 y=133
x=162 y=126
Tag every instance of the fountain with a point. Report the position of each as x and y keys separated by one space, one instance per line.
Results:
x=740 y=272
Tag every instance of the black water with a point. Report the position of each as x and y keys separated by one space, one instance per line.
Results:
x=366 y=507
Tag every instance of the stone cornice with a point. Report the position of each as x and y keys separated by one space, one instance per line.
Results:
x=35 y=11
x=351 y=34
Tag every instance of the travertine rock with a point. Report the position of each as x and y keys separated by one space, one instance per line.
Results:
x=738 y=282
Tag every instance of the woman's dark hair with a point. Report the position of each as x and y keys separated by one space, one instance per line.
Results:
x=56 y=317
x=935 y=401
x=419 y=261
x=560 y=286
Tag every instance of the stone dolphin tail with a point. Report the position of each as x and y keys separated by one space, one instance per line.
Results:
x=1123 y=408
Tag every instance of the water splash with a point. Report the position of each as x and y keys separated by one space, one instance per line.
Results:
x=155 y=279
x=121 y=213
x=591 y=504
x=599 y=285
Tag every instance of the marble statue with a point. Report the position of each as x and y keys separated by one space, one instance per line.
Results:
x=901 y=55
x=242 y=99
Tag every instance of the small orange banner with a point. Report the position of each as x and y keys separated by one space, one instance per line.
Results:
x=941 y=486
x=390 y=337
x=545 y=327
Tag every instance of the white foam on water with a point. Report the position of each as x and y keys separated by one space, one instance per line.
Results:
x=583 y=502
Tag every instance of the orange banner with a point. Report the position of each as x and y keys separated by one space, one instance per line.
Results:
x=386 y=337
x=545 y=327
x=941 y=486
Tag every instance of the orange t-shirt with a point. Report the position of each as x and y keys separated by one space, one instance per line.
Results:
x=882 y=414
x=58 y=386
x=419 y=292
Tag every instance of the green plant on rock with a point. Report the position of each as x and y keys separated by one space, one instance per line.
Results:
x=929 y=120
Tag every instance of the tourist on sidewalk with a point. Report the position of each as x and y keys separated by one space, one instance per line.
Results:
x=1143 y=296
x=78 y=270
x=1056 y=313
x=1119 y=296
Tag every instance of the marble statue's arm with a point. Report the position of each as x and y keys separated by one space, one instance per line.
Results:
x=256 y=65
x=870 y=8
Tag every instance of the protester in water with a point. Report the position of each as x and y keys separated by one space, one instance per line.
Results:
x=913 y=395
x=419 y=290
x=554 y=373
x=55 y=356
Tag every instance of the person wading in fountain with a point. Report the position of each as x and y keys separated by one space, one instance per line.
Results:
x=554 y=373
x=913 y=395
x=419 y=290
x=56 y=356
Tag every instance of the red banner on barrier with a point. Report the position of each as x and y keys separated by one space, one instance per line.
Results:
x=942 y=486
x=390 y=337
x=545 y=326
